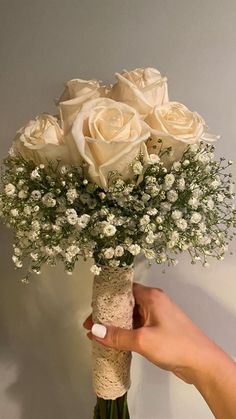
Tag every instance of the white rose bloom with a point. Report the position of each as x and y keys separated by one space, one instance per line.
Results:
x=42 y=140
x=143 y=89
x=177 y=127
x=74 y=95
x=109 y=135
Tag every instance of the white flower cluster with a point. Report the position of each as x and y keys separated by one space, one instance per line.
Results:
x=62 y=217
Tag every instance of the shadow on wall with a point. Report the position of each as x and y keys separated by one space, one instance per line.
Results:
x=41 y=336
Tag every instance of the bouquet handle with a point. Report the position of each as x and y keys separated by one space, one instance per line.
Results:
x=113 y=304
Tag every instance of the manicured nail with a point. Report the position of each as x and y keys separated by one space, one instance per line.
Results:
x=99 y=330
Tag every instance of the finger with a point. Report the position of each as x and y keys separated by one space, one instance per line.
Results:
x=88 y=323
x=115 y=337
x=142 y=293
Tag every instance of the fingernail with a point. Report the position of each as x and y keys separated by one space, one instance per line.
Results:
x=99 y=330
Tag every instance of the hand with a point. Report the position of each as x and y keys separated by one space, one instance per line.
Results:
x=167 y=337
x=163 y=334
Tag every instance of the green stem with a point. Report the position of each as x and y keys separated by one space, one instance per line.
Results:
x=112 y=409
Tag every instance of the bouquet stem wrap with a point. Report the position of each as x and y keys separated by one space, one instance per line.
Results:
x=113 y=304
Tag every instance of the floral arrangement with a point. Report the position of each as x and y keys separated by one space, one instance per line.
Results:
x=119 y=170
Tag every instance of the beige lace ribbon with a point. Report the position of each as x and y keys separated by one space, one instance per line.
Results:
x=113 y=303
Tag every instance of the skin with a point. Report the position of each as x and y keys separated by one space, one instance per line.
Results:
x=167 y=337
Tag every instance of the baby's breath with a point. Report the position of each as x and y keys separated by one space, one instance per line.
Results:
x=58 y=214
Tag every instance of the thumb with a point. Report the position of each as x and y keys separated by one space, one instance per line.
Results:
x=115 y=337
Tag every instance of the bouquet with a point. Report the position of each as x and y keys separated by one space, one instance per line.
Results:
x=119 y=171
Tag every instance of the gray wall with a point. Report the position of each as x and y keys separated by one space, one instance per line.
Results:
x=44 y=356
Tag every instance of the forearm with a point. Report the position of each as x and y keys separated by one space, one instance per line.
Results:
x=216 y=381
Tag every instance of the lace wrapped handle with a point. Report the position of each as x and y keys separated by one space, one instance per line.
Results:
x=113 y=304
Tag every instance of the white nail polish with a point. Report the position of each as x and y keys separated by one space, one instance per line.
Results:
x=99 y=330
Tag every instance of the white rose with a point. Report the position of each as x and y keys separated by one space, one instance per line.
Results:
x=177 y=127
x=42 y=140
x=109 y=136
x=77 y=92
x=143 y=89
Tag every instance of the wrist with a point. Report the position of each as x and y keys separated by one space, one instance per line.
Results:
x=200 y=363
x=210 y=368
x=216 y=381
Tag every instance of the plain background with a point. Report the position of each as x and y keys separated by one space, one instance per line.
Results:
x=44 y=356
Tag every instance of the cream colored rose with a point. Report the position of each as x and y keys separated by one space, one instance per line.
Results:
x=42 y=140
x=141 y=88
x=76 y=92
x=109 y=135
x=176 y=126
